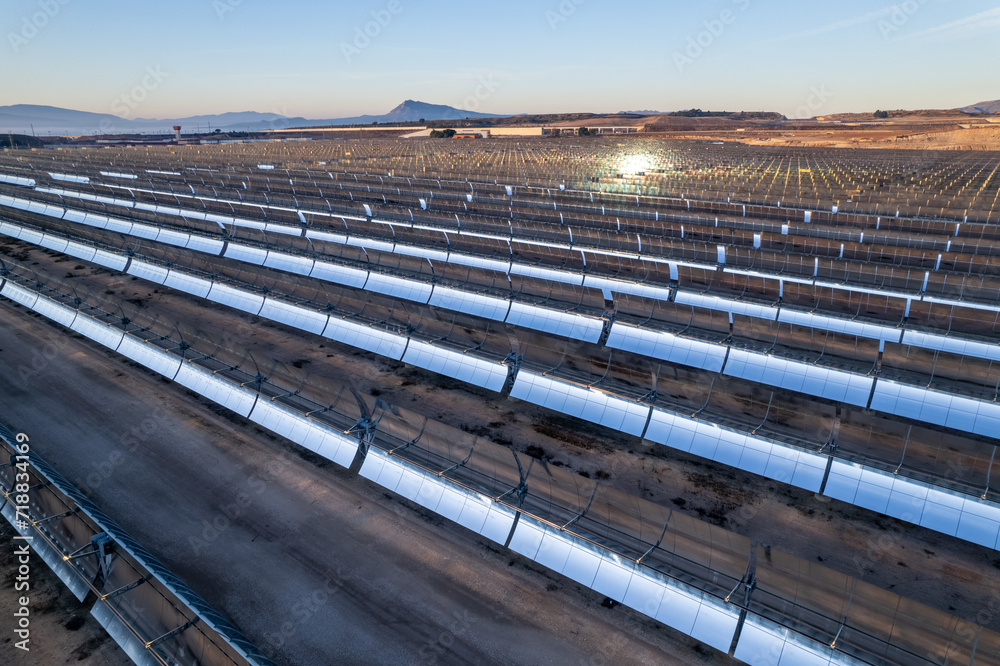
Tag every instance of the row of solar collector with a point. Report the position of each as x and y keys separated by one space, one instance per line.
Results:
x=925 y=277
x=671 y=202
x=970 y=518
x=147 y=610
x=937 y=243
x=723 y=253
x=930 y=285
x=751 y=170
x=949 y=344
x=940 y=408
x=932 y=406
x=648 y=209
x=606 y=572
x=645 y=207
x=465 y=367
x=836 y=385
x=631 y=235
x=716 y=622
x=608 y=285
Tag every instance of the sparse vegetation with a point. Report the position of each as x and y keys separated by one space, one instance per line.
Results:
x=75 y=622
x=698 y=113
x=535 y=451
x=20 y=141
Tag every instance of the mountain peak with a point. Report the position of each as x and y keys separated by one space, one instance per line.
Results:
x=412 y=110
x=983 y=107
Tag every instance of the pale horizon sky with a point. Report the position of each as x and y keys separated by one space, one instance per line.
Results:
x=136 y=58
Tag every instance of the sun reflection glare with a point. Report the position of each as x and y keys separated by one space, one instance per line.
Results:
x=632 y=164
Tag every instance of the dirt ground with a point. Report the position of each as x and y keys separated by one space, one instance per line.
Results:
x=953 y=576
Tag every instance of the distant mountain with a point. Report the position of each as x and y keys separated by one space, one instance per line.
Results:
x=411 y=111
x=644 y=112
x=983 y=107
x=407 y=112
x=222 y=120
x=50 y=120
x=46 y=120
x=22 y=118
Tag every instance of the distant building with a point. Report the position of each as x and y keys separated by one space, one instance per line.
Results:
x=516 y=130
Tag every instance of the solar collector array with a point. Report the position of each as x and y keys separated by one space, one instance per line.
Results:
x=882 y=335
x=600 y=407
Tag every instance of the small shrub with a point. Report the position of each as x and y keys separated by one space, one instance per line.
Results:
x=535 y=451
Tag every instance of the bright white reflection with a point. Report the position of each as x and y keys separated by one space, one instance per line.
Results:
x=632 y=164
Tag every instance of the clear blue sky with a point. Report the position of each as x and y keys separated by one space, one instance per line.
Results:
x=548 y=56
